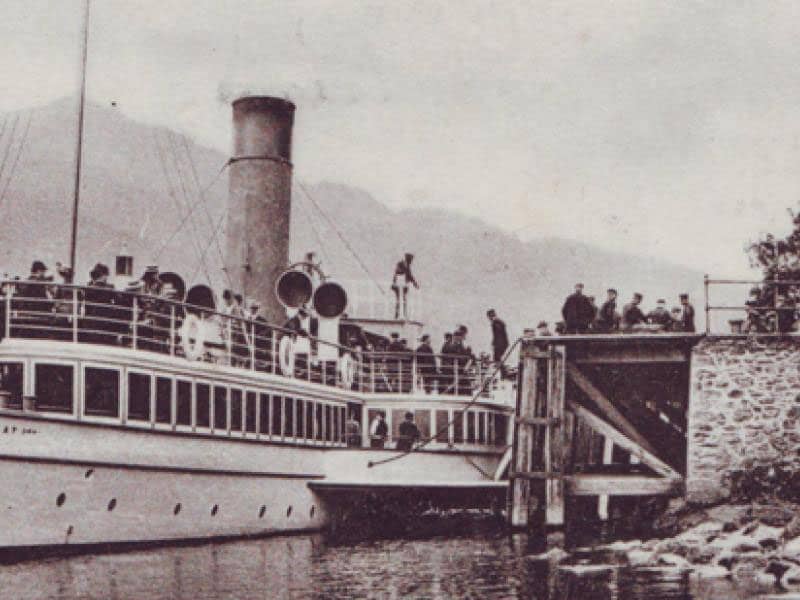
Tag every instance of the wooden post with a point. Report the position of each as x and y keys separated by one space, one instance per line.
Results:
x=602 y=500
x=554 y=440
x=521 y=498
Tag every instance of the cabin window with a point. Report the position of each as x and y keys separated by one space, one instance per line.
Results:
x=54 y=387
x=481 y=427
x=458 y=427
x=442 y=420
x=500 y=429
x=236 y=410
x=318 y=421
x=301 y=419
x=101 y=392
x=288 y=418
x=422 y=419
x=220 y=408
x=309 y=420
x=202 y=407
x=250 y=412
x=337 y=431
x=263 y=417
x=342 y=421
x=138 y=397
x=183 y=405
x=277 y=415
x=470 y=416
x=164 y=400
x=11 y=381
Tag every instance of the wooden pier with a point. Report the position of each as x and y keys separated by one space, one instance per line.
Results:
x=597 y=415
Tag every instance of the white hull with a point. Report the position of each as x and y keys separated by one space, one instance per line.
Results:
x=61 y=481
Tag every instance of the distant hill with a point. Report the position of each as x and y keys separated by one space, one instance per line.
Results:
x=136 y=179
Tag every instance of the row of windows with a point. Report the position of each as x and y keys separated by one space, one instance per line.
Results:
x=197 y=404
x=154 y=398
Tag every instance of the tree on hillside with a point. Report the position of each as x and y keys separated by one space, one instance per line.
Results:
x=779 y=260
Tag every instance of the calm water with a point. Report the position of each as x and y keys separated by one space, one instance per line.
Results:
x=486 y=565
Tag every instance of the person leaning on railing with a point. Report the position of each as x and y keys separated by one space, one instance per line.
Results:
x=426 y=364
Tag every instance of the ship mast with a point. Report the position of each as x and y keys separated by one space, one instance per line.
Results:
x=79 y=151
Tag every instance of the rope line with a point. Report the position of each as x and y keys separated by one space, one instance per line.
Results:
x=9 y=143
x=20 y=148
x=476 y=396
x=342 y=238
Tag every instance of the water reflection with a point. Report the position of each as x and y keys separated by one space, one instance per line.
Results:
x=487 y=565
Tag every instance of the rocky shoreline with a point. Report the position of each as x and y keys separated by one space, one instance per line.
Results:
x=755 y=546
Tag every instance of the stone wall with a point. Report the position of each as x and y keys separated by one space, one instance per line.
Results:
x=744 y=411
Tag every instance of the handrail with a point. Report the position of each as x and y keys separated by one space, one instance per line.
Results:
x=147 y=322
x=751 y=310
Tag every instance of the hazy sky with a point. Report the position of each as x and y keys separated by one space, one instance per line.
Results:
x=649 y=127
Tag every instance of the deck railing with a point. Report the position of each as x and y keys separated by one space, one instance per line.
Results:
x=774 y=309
x=95 y=315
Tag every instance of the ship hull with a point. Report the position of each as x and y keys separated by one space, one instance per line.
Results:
x=71 y=485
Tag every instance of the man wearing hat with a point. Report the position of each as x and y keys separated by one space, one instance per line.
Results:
x=632 y=315
x=607 y=318
x=101 y=323
x=577 y=311
x=687 y=316
x=426 y=363
x=262 y=335
x=34 y=299
x=499 y=339
x=660 y=315
x=447 y=369
x=408 y=433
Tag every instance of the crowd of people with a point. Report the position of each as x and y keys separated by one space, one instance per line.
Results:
x=582 y=315
x=150 y=310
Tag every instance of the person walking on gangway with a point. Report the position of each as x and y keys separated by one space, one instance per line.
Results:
x=499 y=339
x=400 y=282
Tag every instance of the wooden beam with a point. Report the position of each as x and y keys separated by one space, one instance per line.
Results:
x=622 y=485
x=505 y=461
x=520 y=491
x=554 y=442
x=631 y=354
x=608 y=409
x=602 y=501
x=645 y=456
x=533 y=421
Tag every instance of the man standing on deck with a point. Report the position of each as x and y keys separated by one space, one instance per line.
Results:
x=499 y=339
x=687 y=316
x=577 y=311
x=426 y=363
x=607 y=319
x=632 y=315
x=408 y=433
x=660 y=315
x=400 y=282
x=378 y=431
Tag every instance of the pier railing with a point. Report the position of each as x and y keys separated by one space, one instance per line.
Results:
x=99 y=315
x=770 y=307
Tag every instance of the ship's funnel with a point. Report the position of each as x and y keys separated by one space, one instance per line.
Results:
x=330 y=300
x=294 y=288
x=257 y=233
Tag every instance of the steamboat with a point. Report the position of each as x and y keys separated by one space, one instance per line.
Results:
x=128 y=418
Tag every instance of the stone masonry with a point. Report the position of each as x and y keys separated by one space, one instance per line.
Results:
x=744 y=411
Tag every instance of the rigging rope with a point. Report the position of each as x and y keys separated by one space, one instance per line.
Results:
x=217 y=229
x=210 y=219
x=476 y=396
x=316 y=232
x=20 y=148
x=9 y=143
x=342 y=238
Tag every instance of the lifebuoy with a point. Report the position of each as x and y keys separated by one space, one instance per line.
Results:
x=286 y=356
x=347 y=370
x=193 y=337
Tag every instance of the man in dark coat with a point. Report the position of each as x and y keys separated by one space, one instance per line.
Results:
x=687 y=317
x=426 y=363
x=632 y=315
x=660 y=315
x=409 y=433
x=403 y=277
x=447 y=367
x=499 y=335
x=577 y=311
x=607 y=320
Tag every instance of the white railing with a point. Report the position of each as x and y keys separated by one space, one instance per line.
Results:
x=97 y=315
